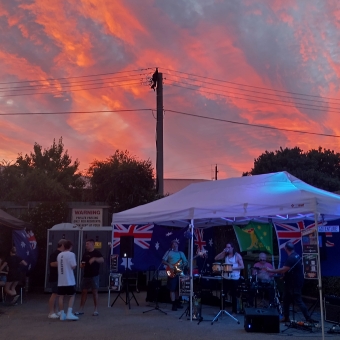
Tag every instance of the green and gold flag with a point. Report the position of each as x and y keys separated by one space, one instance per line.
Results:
x=255 y=236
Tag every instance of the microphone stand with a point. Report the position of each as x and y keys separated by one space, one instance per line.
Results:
x=157 y=286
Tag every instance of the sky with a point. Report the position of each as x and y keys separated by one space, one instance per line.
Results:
x=239 y=78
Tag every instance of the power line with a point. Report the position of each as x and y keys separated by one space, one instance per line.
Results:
x=77 y=77
x=70 y=112
x=240 y=89
x=252 y=125
x=76 y=90
x=298 y=106
x=71 y=83
x=251 y=86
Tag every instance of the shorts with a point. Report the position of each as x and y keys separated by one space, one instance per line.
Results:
x=173 y=283
x=54 y=287
x=90 y=283
x=3 y=278
x=66 y=290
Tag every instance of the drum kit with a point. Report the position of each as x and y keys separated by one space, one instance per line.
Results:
x=253 y=284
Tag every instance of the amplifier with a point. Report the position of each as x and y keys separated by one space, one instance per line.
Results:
x=263 y=320
x=332 y=308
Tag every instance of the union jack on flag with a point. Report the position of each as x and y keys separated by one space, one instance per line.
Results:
x=199 y=239
x=142 y=234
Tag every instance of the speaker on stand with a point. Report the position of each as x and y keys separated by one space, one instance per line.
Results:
x=127 y=250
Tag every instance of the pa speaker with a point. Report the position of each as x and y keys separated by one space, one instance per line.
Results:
x=127 y=246
x=263 y=320
x=332 y=308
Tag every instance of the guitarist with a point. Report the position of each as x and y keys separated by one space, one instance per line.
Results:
x=170 y=259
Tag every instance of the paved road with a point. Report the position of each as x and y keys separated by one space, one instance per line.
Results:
x=29 y=321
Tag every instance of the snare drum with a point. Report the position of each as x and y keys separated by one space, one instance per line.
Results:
x=227 y=268
x=216 y=268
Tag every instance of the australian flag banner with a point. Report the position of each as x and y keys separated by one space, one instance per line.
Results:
x=26 y=246
x=151 y=242
x=329 y=242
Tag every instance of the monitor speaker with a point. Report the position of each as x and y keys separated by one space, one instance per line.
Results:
x=262 y=320
x=332 y=308
x=127 y=246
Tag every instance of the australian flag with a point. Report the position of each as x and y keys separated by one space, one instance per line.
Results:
x=151 y=242
x=291 y=232
x=26 y=246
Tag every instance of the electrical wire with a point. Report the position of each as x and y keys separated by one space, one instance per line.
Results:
x=71 y=112
x=252 y=125
x=194 y=83
x=259 y=101
x=77 y=77
x=251 y=86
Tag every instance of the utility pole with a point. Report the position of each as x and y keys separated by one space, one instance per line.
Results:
x=216 y=171
x=159 y=135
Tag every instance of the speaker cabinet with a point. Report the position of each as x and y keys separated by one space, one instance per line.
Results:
x=127 y=246
x=332 y=308
x=263 y=320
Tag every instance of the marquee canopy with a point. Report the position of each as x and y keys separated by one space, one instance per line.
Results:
x=12 y=222
x=274 y=197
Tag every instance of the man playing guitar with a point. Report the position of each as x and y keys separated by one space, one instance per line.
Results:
x=174 y=259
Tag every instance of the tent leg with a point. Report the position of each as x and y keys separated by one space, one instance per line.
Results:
x=319 y=277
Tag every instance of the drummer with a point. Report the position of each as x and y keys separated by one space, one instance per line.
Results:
x=264 y=279
x=231 y=257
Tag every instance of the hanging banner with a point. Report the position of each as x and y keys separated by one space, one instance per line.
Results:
x=255 y=236
x=309 y=241
x=184 y=285
x=310 y=265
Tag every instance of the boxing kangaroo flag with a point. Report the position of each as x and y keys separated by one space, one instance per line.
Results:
x=255 y=236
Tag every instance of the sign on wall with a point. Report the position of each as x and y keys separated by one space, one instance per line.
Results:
x=87 y=217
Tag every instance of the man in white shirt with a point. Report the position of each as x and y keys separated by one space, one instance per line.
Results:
x=66 y=281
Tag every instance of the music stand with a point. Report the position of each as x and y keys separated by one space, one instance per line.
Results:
x=223 y=311
x=127 y=290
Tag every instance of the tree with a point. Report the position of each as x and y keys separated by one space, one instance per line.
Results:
x=320 y=168
x=122 y=181
x=44 y=175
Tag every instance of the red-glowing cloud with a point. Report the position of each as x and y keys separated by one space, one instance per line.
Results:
x=260 y=63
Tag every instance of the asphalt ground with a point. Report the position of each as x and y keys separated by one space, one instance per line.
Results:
x=29 y=321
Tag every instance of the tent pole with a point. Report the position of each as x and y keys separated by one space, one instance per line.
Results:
x=191 y=264
x=319 y=276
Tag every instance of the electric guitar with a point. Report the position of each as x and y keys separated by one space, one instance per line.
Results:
x=177 y=269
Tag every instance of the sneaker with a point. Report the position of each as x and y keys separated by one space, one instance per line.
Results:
x=59 y=313
x=53 y=316
x=71 y=317
x=62 y=316
x=15 y=299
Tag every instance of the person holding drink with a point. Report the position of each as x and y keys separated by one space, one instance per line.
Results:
x=90 y=262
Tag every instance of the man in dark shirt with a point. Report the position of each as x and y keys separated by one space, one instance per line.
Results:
x=53 y=280
x=293 y=282
x=90 y=262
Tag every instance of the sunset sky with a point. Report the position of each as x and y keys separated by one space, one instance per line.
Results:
x=270 y=63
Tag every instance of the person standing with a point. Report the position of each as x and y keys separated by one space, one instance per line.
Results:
x=13 y=262
x=170 y=259
x=66 y=281
x=53 y=280
x=293 y=282
x=231 y=281
x=90 y=261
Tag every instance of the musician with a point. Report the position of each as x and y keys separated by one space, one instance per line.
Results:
x=171 y=257
x=293 y=282
x=230 y=256
x=262 y=279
